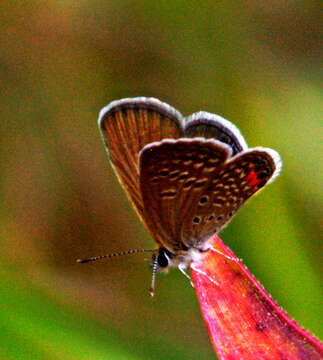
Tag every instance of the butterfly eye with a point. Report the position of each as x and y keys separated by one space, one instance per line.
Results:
x=162 y=258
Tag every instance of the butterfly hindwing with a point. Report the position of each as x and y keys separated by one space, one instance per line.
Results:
x=211 y=126
x=229 y=187
x=192 y=187
x=173 y=173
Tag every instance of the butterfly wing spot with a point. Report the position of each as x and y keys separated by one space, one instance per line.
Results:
x=174 y=174
x=260 y=165
x=189 y=183
x=203 y=200
x=233 y=198
x=246 y=188
x=231 y=180
x=209 y=169
x=218 y=186
x=168 y=194
x=198 y=165
x=200 y=183
x=203 y=156
x=184 y=175
x=263 y=174
x=210 y=218
x=164 y=172
x=187 y=162
x=196 y=220
x=214 y=161
x=255 y=178
x=154 y=180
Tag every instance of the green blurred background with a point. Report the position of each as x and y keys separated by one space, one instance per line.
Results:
x=253 y=62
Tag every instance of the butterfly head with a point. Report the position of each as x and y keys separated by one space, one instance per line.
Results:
x=163 y=259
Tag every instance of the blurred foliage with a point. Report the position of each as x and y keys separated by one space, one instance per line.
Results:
x=253 y=62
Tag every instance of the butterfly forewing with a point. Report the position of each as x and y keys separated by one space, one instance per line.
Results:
x=192 y=187
x=127 y=126
x=173 y=174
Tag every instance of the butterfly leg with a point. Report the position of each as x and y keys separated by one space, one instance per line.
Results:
x=181 y=268
x=201 y=272
x=211 y=248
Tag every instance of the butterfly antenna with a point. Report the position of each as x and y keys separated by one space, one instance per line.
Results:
x=121 y=253
x=153 y=278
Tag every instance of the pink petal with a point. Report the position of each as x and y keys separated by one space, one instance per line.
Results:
x=243 y=320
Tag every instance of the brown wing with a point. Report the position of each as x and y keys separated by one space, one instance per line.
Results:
x=128 y=125
x=228 y=188
x=211 y=126
x=172 y=173
x=191 y=188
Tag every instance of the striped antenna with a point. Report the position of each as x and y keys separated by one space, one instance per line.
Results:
x=153 y=278
x=107 y=256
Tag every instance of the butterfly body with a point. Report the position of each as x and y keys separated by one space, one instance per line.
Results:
x=186 y=177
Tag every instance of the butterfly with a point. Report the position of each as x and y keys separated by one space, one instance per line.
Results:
x=186 y=177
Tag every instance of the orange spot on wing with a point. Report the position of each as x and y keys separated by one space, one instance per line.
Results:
x=252 y=178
